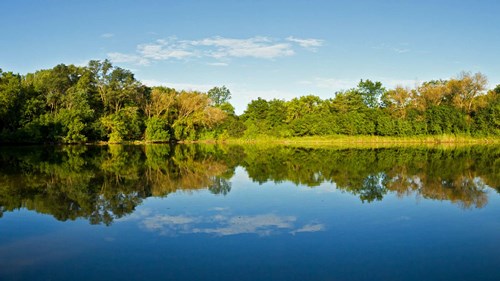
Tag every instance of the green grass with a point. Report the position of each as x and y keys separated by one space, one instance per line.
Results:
x=376 y=141
x=350 y=141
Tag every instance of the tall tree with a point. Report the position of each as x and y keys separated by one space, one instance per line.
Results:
x=465 y=88
x=160 y=102
x=397 y=101
x=371 y=92
x=117 y=87
x=219 y=95
x=193 y=113
x=430 y=94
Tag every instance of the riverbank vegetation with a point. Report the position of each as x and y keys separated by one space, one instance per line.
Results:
x=101 y=102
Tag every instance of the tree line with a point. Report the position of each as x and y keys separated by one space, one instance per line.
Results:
x=102 y=102
x=460 y=105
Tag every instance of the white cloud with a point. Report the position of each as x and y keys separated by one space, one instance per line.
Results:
x=218 y=64
x=257 y=47
x=219 y=209
x=107 y=35
x=306 y=43
x=126 y=58
x=163 y=50
x=216 y=47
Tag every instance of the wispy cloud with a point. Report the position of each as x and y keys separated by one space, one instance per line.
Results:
x=259 y=224
x=400 y=48
x=127 y=58
x=335 y=84
x=159 y=222
x=220 y=48
x=107 y=35
x=164 y=50
x=310 y=43
x=400 y=51
x=219 y=209
x=218 y=63
x=256 y=47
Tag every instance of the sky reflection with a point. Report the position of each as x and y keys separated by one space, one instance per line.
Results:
x=223 y=223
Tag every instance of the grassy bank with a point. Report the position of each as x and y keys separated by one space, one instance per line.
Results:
x=336 y=140
x=343 y=140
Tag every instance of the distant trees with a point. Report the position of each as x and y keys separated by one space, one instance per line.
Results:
x=459 y=105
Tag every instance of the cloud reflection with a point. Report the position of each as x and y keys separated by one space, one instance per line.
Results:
x=260 y=224
x=225 y=224
x=309 y=228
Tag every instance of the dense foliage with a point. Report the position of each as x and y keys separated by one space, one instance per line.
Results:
x=458 y=106
x=100 y=102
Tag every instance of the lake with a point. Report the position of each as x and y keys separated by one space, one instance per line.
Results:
x=208 y=212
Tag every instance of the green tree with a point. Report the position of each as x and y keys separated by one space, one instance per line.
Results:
x=347 y=101
x=10 y=94
x=256 y=110
x=302 y=106
x=117 y=87
x=219 y=95
x=371 y=92
x=123 y=125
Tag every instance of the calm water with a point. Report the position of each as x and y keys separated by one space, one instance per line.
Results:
x=249 y=213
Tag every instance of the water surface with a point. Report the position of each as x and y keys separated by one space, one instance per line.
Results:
x=249 y=213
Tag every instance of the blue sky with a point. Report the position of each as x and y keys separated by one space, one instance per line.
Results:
x=268 y=49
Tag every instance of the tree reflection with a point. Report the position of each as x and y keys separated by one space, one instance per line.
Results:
x=102 y=183
x=460 y=175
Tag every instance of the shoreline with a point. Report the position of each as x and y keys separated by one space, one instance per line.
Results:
x=336 y=140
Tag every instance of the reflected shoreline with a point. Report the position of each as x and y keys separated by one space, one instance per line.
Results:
x=104 y=183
